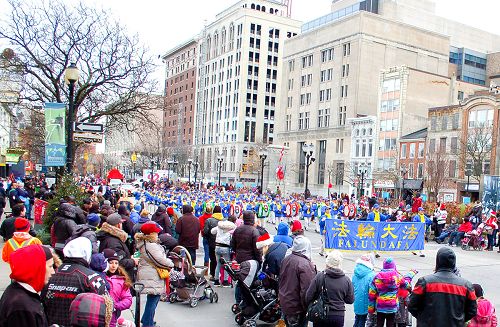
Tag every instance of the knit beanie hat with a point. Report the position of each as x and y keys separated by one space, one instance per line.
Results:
x=334 y=259
x=91 y=310
x=28 y=265
x=389 y=263
x=137 y=207
x=170 y=211
x=93 y=219
x=264 y=240
x=296 y=226
x=22 y=225
x=114 y=219
x=366 y=260
x=110 y=254
x=98 y=263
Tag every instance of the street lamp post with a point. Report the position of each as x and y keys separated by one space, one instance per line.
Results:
x=468 y=173
x=195 y=171
x=152 y=170
x=133 y=158
x=363 y=171
x=71 y=76
x=190 y=161
x=220 y=159
x=404 y=171
x=262 y=156
x=308 y=150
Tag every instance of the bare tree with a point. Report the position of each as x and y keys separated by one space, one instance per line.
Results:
x=31 y=137
x=114 y=67
x=475 y=147
x=437 y=173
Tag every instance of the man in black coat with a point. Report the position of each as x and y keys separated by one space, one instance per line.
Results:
x=188 y=228
x=244 y=240
x=64 y=226
x=161 y=218
x=443 y=298
x=7 y=229
x=3 y=199
x=111 y=236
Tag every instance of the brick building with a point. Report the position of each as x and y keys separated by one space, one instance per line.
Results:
x=412 y=159
x=180 y=98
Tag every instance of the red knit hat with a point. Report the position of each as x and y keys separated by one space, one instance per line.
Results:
x=22 y=225
x=264 y=240
x=296 y=226
x=150 y=227
x=170 y=211
x=28 y=265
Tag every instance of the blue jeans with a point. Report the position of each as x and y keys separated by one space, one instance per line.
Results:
x=149 y=311
x=206 y=258
x=456 y=237
x=443 y=235
x=360 y=320
x=221 y=252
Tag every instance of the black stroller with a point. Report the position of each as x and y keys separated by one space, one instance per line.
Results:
x=260 y=299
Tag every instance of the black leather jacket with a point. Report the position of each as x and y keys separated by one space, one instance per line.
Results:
x=443 y=299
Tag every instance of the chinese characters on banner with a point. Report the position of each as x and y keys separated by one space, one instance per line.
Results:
x=39 y=208
x=369 y=235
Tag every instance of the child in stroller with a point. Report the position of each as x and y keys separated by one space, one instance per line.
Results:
x=474 y=239
x=187 y=282
x=259 y=294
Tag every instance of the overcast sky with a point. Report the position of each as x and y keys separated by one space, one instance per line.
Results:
x=163 y=24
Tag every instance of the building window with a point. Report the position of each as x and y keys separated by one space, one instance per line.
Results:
x=481 y=118
x=288 y=122
x=403 y=151
x=452 y=169
x=410 y=170
x=412 y=150
x=389 y=105
x=327 y=55
x=307 y=61
x=486 y=167
x=339 y=146
x=433 y=123
x=421 y=150
x=346 y=47
x=420 y=171
x=308 y=98
x=444 y=122
x=342 y=115
x=454 y=121
x=301 y=120
x=291 y=65
x=454 y=145
x=302 y=162
x=339 y=176
x=357 y=148
x=442 y=145
x=345 y=70
x=306 y=120
x=432 y=145
x=460 y=95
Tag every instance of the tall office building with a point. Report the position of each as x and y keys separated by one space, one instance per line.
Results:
x=239 y=82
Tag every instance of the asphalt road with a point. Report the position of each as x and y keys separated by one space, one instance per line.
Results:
x=478 y=267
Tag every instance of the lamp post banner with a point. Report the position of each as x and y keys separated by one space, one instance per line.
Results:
x=55 y=134
x=368 y=235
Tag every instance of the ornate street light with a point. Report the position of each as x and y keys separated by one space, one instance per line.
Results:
x=71 y=76
x=262 y=156
x=308 y=150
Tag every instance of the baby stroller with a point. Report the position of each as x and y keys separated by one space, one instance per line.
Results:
x=260 y=298
x=474 y=239
x=187 y=282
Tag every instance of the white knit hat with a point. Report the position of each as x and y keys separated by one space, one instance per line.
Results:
x=264 y=240
x=334 y=259
x=366 y=260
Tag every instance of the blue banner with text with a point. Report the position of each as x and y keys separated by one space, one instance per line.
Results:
x=368 y=235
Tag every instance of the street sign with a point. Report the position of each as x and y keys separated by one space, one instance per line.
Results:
x=88 y=127
x=87 y=137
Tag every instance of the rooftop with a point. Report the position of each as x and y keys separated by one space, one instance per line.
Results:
x=420 y=134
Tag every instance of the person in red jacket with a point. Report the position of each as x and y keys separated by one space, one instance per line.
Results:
x=465 y=227
x=206 y=249
x=417 y=203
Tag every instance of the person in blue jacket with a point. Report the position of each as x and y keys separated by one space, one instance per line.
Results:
x=361 y=280
x=375 y=215
x=198 y=209
x=282 y=235
x=420 y=217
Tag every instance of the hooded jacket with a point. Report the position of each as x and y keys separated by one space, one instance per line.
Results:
x=486 y=316
x=137 y=227
x=111 y=237
x=282 y=235
x=71 y=278
x=161 y=217
x=274 y=257
x=363 y=277
x=339 y=290
x=64 y=224
x=20 y=304
x=383 y=293
x=296 y=274
x=443 y=296
x=223 y=233
x=152 y=254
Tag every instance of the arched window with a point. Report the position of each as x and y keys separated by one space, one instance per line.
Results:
x=209 y=46
x=264 y=8
x=223 y=40
x=357 y=132
x=271 y=10
x=370 y=131
x=231 y=36
x=257 y=7
x=252 y=6
x=216 y=44
x=363 y=132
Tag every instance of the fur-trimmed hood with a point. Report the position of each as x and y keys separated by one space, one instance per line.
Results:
x=151 y=238
x=112 y=230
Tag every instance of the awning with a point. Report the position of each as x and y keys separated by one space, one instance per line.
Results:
x=410 y=184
